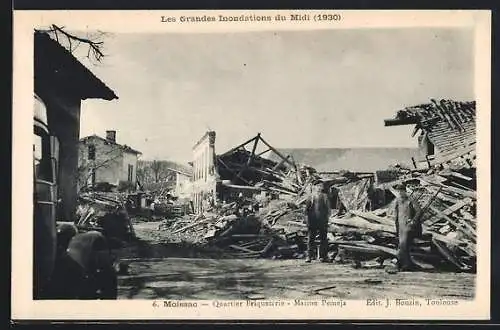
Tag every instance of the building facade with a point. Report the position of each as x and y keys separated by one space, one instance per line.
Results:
x=204 y=180
x=61 y=82
x=103 y=160
x=183 y=185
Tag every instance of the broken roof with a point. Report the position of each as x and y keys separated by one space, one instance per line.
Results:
x=448 y=124
x=124 y=147
x=55 y=64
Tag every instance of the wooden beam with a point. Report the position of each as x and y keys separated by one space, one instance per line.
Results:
x=414 y=163
x=235 y=186
x=415 y=131
x=278 y=153
x=455 y=207
x=428 y=161
x=399 y=122
x=463 y=192
x=280 y=163
x=231 y=170
x=257 y=138
x=263 y=152
x=249 y=161
x=240 y=145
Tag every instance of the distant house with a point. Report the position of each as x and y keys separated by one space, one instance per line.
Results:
x=103 y=160
x=183 y=185
x=447 y=131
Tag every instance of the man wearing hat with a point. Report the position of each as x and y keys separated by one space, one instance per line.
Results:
x=317 y=211
x=406 y=229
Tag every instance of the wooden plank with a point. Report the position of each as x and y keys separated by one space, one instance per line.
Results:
x=458 y=185
x=358 y=222
x=263 y=152
x=470 y=232
x=283 y=191
x=461 y=176
x=236 y=247
x=373 y=217
x=370 y=249
x=234 y=186
x=446 y=188
x=268 y=246
x=247 y=235
x=447 y=254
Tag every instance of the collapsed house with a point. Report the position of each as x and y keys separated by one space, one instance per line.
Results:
x=240 y=170
x=362 y=226
x=447 y=132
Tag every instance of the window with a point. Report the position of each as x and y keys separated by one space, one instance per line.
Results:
x=91 y=152
x=41 y=155
x=37 y=149
x=131 y=173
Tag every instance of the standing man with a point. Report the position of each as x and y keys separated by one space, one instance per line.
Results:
x=152 y=209
x=408 y=227
x=317 y=212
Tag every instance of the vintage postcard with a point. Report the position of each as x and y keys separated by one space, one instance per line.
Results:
x=251 y=165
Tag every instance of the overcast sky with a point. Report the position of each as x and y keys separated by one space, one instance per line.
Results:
x=299 y=89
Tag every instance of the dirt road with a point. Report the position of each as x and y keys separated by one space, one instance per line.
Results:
x=155 y=274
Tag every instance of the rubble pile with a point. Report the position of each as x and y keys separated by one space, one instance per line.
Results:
x=242 y=169
x=448 y=222
x=238 y=236
x=361 y=232
x=105 y=213
x=259 y=210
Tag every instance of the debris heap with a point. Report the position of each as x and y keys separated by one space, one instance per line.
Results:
x=106 y=213
x=269 y=221
x=448 y=221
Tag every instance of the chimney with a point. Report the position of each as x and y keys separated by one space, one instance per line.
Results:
x=111 y=136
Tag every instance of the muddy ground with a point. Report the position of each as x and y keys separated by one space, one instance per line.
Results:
x=168 y=271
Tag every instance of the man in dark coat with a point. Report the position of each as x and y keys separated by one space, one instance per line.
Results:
x=317 y=212
x=408 y=226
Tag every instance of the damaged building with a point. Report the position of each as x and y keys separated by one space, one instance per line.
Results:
x=61 y=83
x=103 y=160
x=446 y=132
x=362 y=225
x=241 y=170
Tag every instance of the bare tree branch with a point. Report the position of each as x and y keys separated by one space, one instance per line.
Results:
x=94 y=46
